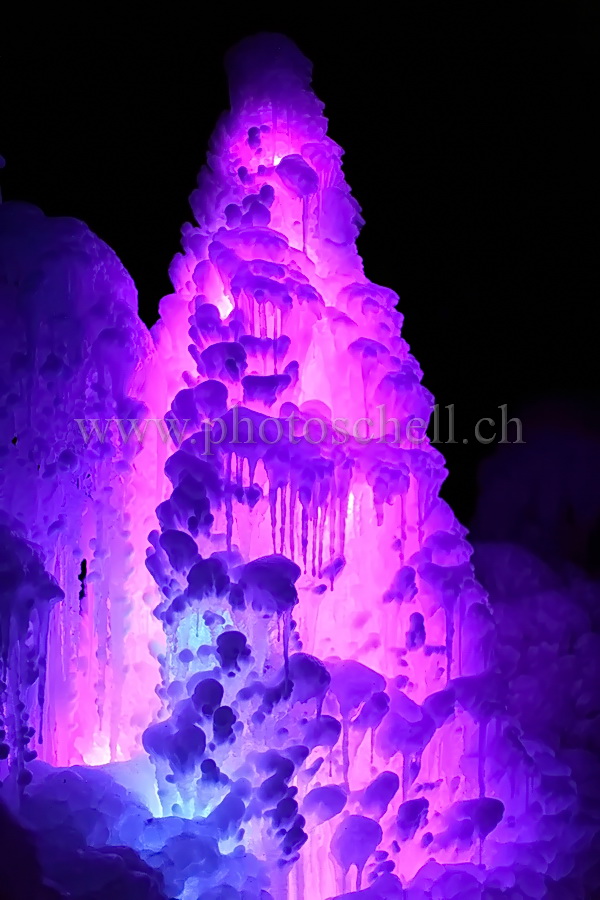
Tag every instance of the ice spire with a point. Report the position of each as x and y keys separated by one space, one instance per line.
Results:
x=305 y=524
x=336 y=717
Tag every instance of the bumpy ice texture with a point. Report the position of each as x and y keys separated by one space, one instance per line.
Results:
x=336 y=715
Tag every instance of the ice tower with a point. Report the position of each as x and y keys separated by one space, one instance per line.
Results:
x=225 y=568
x=326 y=637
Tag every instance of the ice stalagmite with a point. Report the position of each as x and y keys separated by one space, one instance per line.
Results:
x=226 y=571
x=317 y=594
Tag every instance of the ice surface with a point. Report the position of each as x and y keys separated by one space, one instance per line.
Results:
x=272 y=604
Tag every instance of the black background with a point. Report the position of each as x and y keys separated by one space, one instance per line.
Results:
x=468 y=140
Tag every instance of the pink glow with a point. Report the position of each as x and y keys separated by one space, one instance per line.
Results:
x=352 y=361
x=287 y=632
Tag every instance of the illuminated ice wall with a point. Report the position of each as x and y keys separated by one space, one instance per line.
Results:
x=274 y=603
x=72 y=358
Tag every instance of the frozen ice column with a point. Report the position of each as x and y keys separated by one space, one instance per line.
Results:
x=305 y=529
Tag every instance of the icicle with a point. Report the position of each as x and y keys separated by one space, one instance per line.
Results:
x=228 y=501
x=299 y=876
x=481 y=758
x=402 y=526
x=286 y=643
x=304 y=222
x=293 y=494
x=262 y=314
x=273 y=513
x=283 y=518
x=315 y=524
x=323 y=520
x=449 y=613
x=304 y=526
x=275 y=340
x=346 y=751
x=461 y=613
x=332 y=523
x=42 y=649
x=343 y=520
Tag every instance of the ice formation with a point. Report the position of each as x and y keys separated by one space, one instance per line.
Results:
x=226 y=570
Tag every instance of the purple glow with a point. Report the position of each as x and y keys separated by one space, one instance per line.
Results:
x=334 y=715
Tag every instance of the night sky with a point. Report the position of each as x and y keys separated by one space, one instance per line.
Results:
x=468 y=145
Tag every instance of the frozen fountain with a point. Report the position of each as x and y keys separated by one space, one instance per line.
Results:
x=244 y=653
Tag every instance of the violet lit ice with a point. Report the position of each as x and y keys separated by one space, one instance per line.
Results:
x=244 y=655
